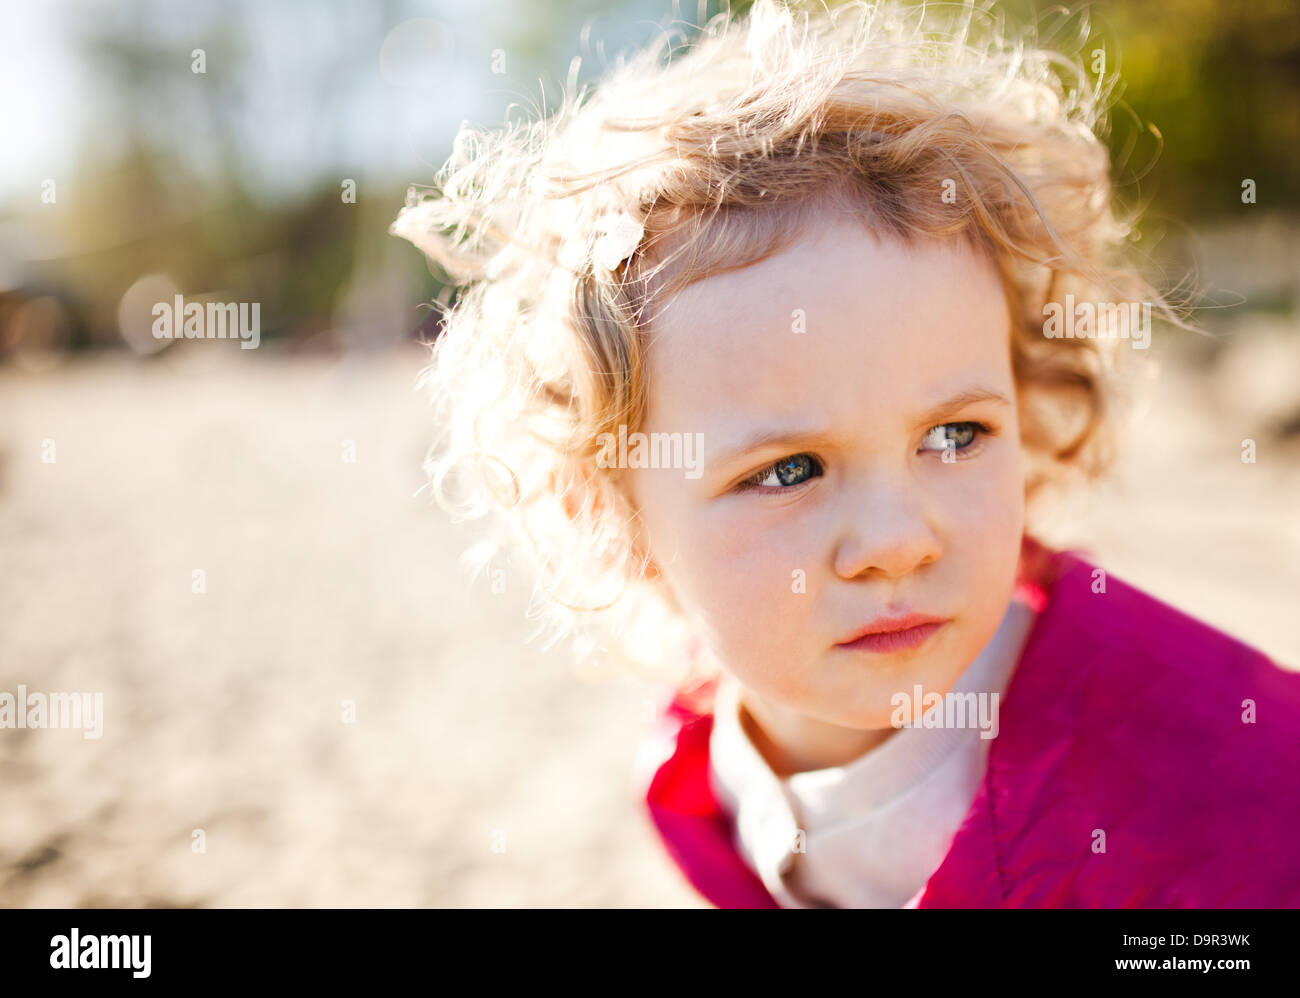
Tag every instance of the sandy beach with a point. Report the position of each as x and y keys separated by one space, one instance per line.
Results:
x=475 y=770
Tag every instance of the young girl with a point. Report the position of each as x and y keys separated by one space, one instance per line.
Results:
x=765 y=347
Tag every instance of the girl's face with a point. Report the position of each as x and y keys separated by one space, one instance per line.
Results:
x=827 y=382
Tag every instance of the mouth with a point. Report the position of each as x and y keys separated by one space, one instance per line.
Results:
x=895 y=633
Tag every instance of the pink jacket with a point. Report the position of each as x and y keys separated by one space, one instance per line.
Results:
x=1123 y=715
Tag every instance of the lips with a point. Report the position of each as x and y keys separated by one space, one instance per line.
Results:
x=888 y=634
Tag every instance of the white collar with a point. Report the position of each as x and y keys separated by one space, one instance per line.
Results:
x=771 y=811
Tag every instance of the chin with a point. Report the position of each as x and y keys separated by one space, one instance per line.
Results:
x=873 y=713
x=867 y=702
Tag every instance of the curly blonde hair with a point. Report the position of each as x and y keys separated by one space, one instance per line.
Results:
x=568 y=233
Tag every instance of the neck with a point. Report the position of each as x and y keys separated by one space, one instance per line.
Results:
x=792 y=743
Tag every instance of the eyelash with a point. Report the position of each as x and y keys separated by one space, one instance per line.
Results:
x=750 y=484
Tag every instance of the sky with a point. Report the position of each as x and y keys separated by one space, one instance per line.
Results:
x=342 y=87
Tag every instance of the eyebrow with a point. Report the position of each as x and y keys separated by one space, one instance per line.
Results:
x=959 y=401
x=817 y=436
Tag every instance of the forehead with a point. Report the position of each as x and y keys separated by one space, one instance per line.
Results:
x=839 y=322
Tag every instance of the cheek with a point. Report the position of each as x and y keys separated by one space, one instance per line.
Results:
x=743 y=569
x=1007 y=492
x=987 y=531
x=984 y=503
x=715 y=563
x=738 y=582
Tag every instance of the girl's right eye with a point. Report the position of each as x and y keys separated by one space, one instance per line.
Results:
x=784 y=474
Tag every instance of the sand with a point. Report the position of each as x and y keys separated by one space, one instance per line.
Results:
x=476 y=770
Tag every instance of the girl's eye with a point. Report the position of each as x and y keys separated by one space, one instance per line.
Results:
x=798 y=469
x=954 y=436
x=789 y=471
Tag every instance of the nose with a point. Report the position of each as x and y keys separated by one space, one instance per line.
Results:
x=887 y=533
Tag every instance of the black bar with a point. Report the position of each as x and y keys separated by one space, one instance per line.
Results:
x=373 y=946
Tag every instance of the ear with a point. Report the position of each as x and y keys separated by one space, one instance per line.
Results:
x=640 y=542
x=579 y=489
x=578 y=492
x=651 y=569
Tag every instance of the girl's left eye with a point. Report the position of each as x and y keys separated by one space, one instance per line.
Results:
x=953 y=436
